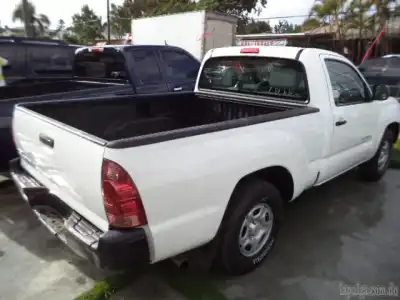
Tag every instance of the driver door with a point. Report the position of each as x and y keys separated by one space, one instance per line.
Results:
x=354 y=115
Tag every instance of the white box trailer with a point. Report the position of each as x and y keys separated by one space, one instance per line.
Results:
x=196 y=32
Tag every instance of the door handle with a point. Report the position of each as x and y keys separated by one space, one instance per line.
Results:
x=178 y=89
x=48 y=141
x=340 y=122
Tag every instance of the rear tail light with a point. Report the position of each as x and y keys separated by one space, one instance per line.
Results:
x=122 y=202
x=250 y=50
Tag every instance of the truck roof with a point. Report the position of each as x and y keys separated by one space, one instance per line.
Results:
x=117 y=47
x=26 y=40
x=275 y=51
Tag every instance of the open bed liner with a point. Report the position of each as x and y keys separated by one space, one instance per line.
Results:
x=128 y=121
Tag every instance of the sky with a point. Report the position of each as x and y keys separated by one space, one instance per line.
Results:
x=55 y=10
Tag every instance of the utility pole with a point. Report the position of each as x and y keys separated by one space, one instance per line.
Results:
x=27 y=23
x=108 y=23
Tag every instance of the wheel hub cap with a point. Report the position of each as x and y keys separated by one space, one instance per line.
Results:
x=255 y=229
x=383 y=156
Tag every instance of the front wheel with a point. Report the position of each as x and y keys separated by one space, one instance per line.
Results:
x=376 y=167
x=249 y=230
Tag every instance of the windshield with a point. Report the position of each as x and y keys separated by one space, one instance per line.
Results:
x=265 y=76
x=102 y=64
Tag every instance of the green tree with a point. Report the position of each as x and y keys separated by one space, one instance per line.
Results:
x=40 y=23
x=382 y=15
x=330 y=12
x=253 y=27
x=358 y=19
x=311 y=23
x=86 y=26
x=240 y=8
x=120 y=20
x=72 y=39
x=383 y=12
x=149 y=8
x=59 y=31
x=243 y=9
x=60 y=26
x=286 y=27
x=164 y=7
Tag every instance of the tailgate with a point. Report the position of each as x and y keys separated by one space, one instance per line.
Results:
x=66 y=163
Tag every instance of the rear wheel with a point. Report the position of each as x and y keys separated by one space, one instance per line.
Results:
x=250 y=228
x=376 y=167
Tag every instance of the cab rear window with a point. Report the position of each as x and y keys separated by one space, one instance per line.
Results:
x=262 y=76
x=101 y=64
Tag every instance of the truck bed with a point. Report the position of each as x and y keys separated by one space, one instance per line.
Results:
x=127 y=121
x=70 y=90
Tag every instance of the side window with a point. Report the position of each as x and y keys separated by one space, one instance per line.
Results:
x=179 y=65
x=146 y=67
x=348 y=87
x=105 y=64
x=50 y=58
x=16 y=59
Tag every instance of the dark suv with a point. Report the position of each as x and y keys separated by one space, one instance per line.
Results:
x=35 y=58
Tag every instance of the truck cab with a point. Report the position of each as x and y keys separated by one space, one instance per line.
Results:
x=150 y=69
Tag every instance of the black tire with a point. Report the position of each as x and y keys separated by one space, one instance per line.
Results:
x=372 y=170
x=252 y=193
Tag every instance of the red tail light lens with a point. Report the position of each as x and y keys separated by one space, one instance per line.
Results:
x=122 y=202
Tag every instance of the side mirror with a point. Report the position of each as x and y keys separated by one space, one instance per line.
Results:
x=7 y=66
x=380 y=92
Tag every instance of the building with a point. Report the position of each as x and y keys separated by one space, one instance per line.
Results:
x=286 y=39
x=353 y=42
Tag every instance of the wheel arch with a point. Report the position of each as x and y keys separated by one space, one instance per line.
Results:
x=278 y=176
x=394 y=127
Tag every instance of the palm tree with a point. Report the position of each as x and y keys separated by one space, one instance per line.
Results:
x=59 y=29
x=357 y=18
x=329 y=12
x=311 y=23
x=383 y=10
x=382 y=16
x=38 y=23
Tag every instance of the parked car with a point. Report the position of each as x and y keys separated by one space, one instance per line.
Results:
x=383 y=70
x=133 y=179
x=35 y=58
x=391 y=55
x=100 y=71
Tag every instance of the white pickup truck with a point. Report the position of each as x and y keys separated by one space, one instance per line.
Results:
x=144 y=178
